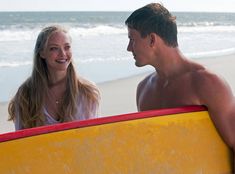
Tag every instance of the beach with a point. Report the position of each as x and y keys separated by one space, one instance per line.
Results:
x=99 y=42
x=118 y=96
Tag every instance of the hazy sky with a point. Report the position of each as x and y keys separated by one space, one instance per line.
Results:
x=115 y=5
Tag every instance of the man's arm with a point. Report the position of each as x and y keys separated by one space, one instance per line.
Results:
x=143 y=90
x=216 y=94
x=139 y=92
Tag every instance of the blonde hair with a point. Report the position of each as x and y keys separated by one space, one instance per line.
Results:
x=30 y=97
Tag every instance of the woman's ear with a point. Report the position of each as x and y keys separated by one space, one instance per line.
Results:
x=42 y=54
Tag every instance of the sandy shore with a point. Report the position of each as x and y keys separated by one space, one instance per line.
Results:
x=118 y=97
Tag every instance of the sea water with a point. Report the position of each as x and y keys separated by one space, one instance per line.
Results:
x=99 y=42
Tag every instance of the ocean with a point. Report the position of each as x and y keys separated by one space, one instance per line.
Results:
x=100 y=41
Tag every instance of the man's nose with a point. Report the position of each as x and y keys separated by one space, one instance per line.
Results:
x=129 y=48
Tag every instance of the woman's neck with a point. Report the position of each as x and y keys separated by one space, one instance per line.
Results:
x=57 y=79
x=57 y=82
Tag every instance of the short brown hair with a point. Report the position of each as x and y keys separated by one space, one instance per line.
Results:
x=154 y=18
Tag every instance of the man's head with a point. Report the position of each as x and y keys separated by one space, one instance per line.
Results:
x=154 y=18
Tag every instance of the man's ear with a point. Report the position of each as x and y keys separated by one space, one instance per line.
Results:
x=153 y=39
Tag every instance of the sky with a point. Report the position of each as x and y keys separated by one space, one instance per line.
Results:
x=115 y=5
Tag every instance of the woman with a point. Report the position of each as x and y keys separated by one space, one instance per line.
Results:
x=53 y=93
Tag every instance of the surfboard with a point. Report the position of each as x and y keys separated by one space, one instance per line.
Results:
x=175 y=141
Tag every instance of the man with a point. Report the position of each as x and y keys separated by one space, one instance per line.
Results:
x=178 y=81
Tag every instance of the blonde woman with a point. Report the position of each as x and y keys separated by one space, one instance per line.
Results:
x=53 y=93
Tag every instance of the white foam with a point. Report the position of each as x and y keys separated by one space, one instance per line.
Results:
x=14 y=64
x=98 y=30
x=206 y=29
x=31 y=34
x=212 y=53
x=110 y=59
x=205 y=54
x=17 y=35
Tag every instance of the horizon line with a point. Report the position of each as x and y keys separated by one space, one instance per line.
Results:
x=177 y=11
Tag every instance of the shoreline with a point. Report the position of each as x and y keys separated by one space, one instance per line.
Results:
x=118 y=96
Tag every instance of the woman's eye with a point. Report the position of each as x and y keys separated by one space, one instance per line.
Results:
x=67 y=47
x=54 y=48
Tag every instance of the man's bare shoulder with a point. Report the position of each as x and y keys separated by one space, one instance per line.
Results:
x=205 y=76
x=148 y=80
x=207 y=82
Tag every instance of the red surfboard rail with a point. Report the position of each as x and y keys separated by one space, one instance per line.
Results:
x=97 y=121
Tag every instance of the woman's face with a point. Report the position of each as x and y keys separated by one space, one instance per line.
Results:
x=57 y=53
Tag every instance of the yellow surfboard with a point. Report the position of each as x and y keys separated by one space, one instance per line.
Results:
x=167 y=141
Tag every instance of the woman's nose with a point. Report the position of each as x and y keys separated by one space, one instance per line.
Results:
x=62 y=51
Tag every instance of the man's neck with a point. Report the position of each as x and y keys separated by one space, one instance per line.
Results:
x=171 y=63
